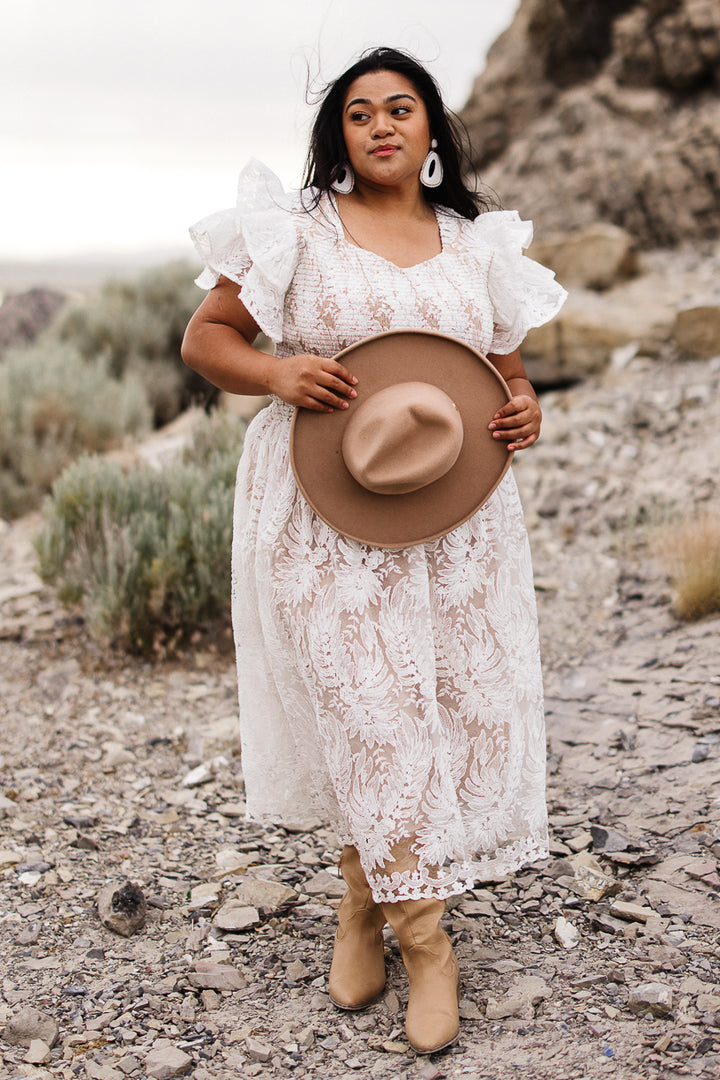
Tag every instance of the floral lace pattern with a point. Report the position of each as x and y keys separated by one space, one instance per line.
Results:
x=397 y=695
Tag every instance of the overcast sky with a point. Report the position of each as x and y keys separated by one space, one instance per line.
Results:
x=123 y=122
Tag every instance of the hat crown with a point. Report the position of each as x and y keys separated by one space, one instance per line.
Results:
x=401 y=432
x=402 y=438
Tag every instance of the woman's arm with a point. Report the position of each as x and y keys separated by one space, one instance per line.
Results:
x=218 y=345
x=518 y=422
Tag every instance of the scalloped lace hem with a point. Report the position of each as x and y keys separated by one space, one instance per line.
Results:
x=422 y=884
x=460 y=877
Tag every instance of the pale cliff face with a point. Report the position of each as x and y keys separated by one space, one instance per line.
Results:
x=605 y=111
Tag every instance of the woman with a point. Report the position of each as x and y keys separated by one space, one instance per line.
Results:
x=396 y=694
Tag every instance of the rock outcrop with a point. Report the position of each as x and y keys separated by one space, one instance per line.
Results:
x=670 y=306
x=605 y=110
x=25 y=315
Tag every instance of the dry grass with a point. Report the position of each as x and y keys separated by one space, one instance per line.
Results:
x=690 y=552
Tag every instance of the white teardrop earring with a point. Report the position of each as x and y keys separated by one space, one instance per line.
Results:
x=431 y=174
x=344 y=180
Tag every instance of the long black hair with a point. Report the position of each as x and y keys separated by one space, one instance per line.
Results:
x=327 y=153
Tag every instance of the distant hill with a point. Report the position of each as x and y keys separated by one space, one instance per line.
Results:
x=80 y=273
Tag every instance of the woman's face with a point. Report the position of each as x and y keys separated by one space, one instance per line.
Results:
x=386 y=129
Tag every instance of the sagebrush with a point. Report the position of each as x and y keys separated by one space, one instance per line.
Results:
x=138 y=324
x=54 y=406
x=146 y=554
x=110 y=366
x=690 y=551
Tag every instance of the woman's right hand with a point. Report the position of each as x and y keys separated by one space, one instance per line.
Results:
x=218 y=344
x=313 y=382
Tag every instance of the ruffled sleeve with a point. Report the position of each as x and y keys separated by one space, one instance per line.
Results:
x=255 y=245
x=523 y=293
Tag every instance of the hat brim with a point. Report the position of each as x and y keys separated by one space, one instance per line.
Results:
x=399 y=521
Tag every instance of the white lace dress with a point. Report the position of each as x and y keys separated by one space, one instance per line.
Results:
x=395 y=694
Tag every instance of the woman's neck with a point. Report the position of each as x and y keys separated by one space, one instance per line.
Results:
x=407 y=202
x=404 y=231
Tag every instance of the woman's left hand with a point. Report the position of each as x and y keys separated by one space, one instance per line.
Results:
x=518 y=422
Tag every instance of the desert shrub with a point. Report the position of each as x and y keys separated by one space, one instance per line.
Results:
x=690 y=551
x=55 y=405
x=139 y=324
x=146 y=554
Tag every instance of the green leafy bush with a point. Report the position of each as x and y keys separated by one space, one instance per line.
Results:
x=146 y=554
x=55 y=405
x=139 y=324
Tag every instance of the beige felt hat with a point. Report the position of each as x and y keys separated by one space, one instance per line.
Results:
x=412 y=457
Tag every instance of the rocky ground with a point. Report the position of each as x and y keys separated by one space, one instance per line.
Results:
x=601 y=962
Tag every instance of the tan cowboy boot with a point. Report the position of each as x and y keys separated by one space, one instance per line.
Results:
x=432 y=1022
x=357 y=973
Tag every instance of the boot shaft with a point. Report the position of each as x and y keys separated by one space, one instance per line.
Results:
x=432 y=1020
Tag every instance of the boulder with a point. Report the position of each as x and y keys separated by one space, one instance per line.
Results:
x=39 y=1053
x=673 y=299
x=8 y=857
x=207 y=975
x=696 y=330
x=244 y=406
x=325 y=884
x=235 y=916
x=166 y=1061
x=25 y=315
x=258 y=1050
x=565 y=933
x=122 y=907
x=653 y=998
x=28 y=1025
x=509 y=1006
x=590 y=327
x=532 y=988
x=259 y=892
x=596 y=257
